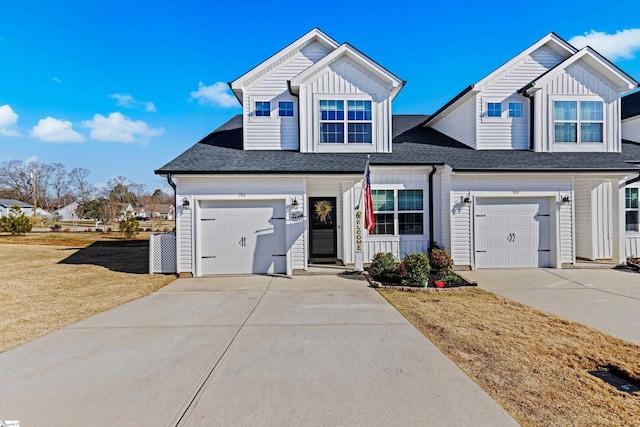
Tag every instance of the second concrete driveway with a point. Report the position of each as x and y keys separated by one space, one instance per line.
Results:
x=317 y=350
x=608 y=300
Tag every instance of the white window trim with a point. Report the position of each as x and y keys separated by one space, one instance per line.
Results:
x=631 y=233
x=597 y=146
x=277 y=109
x=484 y=115
x=352 y=146
x=521 y=116
x=252 y=109
x=396 y=221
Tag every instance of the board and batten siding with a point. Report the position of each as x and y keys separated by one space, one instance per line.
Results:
x=473 y=185
x=582 y=203
x=631 y=129
x=235 y=188
x=344 y=79
x=274 y=132
x=400 y=245
x=575 y=82
x=632 y=238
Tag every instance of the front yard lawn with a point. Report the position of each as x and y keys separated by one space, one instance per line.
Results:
x=534 y=364
x=46 y=287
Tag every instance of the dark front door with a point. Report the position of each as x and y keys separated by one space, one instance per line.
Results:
x=322 y=228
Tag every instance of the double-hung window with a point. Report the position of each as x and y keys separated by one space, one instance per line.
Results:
x=356 y=124
x=632 y=212
x=398 y=212
x=578 y=121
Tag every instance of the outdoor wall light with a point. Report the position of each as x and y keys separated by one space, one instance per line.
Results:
x=185 y=204
x=566 y=199
x=467 y=201
x=295 y=203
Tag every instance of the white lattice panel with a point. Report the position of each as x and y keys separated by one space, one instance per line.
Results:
x=162 y=253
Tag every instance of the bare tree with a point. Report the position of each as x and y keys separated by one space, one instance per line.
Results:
x=15 y=175
x=59 y=183
x=80 y=185
x=42 y=175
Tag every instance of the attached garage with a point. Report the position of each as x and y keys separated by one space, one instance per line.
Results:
x=512 y=232
x=242 y=237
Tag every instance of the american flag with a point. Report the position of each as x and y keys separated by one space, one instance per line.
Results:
x=369 y=219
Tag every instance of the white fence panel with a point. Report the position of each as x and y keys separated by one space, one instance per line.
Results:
x=162 y=253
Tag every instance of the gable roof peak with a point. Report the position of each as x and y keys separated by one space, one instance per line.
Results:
x=314 y=35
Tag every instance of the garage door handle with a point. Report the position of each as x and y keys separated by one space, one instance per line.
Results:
x=279 y=255
x=212 y=256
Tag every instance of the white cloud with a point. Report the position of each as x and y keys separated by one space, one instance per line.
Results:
x=31 y=159
x=8 y=120
x=119 y=128
x=55 y=130
x=57 y=80
x=621 y=45
x=217 y=94
x=128 y=101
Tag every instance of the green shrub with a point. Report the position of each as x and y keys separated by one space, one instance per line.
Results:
x=452 y=280
x=16 y=222
x=129 y=227
x=417 y=269
x=383 y=267
x=441 y=262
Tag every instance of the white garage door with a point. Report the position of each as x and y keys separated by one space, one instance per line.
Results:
x=512 y=232
x=240 y=237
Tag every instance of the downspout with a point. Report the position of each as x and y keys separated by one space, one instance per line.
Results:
x=431 y=219
x=532 y=104
x=175 y=194
x=298 y=116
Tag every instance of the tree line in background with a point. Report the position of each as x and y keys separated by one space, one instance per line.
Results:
x=56 y=187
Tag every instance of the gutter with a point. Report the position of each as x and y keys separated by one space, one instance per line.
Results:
x=175 y=193
x=631 y=181
x=298 y=116
x=431 y=219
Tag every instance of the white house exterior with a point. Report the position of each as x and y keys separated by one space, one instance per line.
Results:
x=25 y=208
x=631 y=149
x=68 y=212
x=523 y=169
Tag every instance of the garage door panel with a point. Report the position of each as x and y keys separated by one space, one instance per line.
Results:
x=512 y=232
x=240 y=237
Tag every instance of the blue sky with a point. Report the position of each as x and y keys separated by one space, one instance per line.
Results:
x=122 y=87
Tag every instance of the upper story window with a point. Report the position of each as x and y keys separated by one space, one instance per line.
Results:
x=263 y=108
x=494 y=109
x=398 y=212
x=578 y=121
x=358 y=121
x=515 y=109
x=632 y=212
x=285 y=108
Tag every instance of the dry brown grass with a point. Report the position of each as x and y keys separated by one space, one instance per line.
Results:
x=46 y=287
x=532 y=363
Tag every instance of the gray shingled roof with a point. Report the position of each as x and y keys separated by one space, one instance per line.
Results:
x=221 y=153
x=7 y=203
x=631 y=105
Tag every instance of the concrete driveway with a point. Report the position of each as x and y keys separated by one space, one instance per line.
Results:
x=608 y=300
x=255 y=350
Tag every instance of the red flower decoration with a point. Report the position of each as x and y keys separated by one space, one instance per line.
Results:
x=439 y=284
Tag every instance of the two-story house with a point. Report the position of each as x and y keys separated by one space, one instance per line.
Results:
x=522 y=169
x=631 y=151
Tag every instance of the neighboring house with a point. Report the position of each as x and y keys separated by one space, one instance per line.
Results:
x=162 y=210
x=631 y=150
x=26 y=208
x=68 y=212
x=522 y=169
x=125 y=210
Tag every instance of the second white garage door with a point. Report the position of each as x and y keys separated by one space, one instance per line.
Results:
x=241 y=237
x=512 y=232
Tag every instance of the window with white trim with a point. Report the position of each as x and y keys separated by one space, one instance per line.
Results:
x=357 y=122
x=263 y=109
x=578 y=121
x=632 y=212
x=285 y=108
x=515 y=109
x=398 y=212
x=494 y=109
